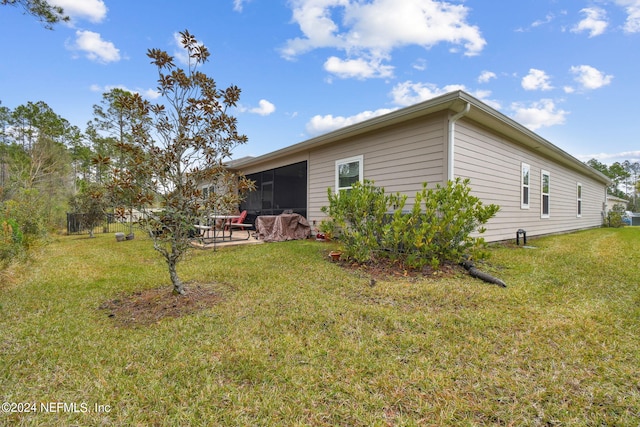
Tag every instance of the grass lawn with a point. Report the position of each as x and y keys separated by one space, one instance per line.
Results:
x=294 y=339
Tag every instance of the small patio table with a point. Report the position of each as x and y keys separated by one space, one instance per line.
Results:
x=212 y=232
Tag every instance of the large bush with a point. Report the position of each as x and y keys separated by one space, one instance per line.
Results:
x=615 y=216
x=374 y=225
x=22 y=225
x=29 y=212
x=11 y=240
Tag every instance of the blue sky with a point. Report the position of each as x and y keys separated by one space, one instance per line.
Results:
x=567 y=69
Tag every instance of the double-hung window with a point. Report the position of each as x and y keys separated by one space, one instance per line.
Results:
x=524 y=184
x=348 y=172
x=545 y=193
x=579 y=201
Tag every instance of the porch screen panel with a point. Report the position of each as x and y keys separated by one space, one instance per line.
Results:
x=278 y=190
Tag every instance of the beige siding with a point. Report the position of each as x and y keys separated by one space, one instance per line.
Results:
x=399 y=158
x=403 y=149
x=493 y=164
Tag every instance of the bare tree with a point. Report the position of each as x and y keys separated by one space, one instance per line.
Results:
x=178 y=145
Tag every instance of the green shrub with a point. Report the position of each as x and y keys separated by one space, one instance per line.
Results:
x=11 y=239
x=374 y=225
x=614 y=216
x=614 y=219
x=358 y=216
x=27 y=210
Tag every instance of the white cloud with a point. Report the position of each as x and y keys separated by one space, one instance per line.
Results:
x=590 y=78
x=403 y=94
x=359 y=68
x=361 y=33
x=323 y=124
x=95 y=48
x=540 y=22
x=238 y=5
x=92 y=10
x=486 y=76
x=146 y=93
x=632 y=8
x=264 y=108
x=609 y=158
x=595 y=22
x=420 y=64
x=484 y=95
x=538 y=114
x=536 y=80
x=409 y=93
x=548 y=20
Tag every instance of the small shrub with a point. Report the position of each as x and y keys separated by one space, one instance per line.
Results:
x=615 y=216
x=437 y=229
x=11 y=240
x=614 y=220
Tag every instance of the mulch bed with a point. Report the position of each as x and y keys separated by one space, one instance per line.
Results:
x=151 y=306
x=383 y=269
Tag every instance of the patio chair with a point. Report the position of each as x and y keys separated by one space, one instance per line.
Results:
x=239 y=224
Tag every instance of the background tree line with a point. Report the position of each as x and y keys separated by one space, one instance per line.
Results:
x=49 y=167
x=625 y=177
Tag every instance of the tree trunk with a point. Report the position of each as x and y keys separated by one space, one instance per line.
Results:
x=178 y=286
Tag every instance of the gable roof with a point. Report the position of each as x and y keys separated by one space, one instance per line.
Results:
x=453 y=102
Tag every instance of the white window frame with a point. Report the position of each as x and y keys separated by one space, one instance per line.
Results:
x=359 y=159
x=544 y=173
x=524 y=185
x=579 y=200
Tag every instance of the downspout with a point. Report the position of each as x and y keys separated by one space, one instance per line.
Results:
x=452 y=130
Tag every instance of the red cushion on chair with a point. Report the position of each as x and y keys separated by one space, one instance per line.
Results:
x=241 y=219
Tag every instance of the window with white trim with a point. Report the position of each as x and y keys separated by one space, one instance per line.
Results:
x=524 y=184
x=348 y=172
x=545 y=187
x=579 y=200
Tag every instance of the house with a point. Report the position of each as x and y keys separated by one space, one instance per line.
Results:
x=538 y=186
x=613 y=201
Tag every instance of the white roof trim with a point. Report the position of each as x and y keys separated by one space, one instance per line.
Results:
x=452 y=101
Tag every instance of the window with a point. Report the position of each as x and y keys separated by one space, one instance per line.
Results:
x=208 y=192
x=524 y=195
x=545 y=187
x=348 y=172
x=579 y=197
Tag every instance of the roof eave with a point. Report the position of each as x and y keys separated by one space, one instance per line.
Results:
x=453 y=101
x=433 y=105
x=527 y=137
